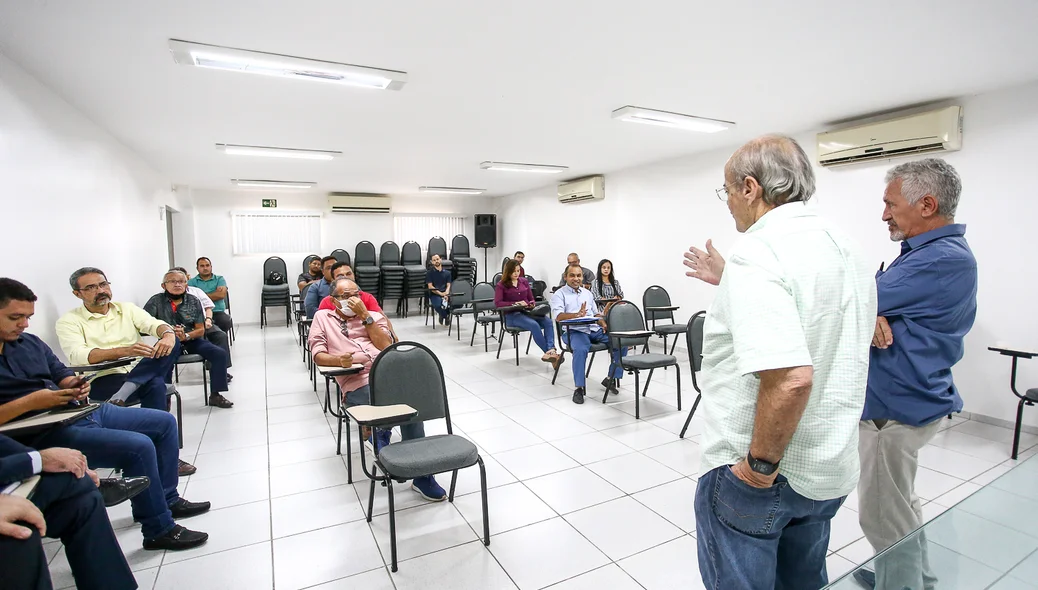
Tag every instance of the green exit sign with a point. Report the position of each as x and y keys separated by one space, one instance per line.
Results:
x=270 y=202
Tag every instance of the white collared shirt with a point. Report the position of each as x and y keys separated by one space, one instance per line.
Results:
x=795 y=292
x=568 y=300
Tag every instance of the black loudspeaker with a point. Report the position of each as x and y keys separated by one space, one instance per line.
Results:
x=486 y=230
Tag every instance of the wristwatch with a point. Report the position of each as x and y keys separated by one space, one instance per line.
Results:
x=368 y=321
x=760 y=465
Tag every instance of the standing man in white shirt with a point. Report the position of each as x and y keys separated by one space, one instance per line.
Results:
x=574 y=301
x=785 y=365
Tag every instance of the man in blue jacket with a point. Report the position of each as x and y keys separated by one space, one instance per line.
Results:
x=65 y=505
x=927 y=304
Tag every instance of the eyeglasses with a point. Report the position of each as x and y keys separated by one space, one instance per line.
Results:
x=722 y=193
x=176 y=282
x=348 y=294
x=92 y=288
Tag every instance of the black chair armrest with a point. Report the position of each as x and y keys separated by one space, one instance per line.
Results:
x=663 y=308
x=632 y=334
x=1014 y=351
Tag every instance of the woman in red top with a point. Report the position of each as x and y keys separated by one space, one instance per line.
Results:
x=514 y=291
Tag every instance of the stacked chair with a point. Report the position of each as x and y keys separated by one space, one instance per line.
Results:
x=394 y=274
x=464 y=265
x=414 y=271
x=275 y=292
x=438 y=245
x=341 y=256
x=366 y=271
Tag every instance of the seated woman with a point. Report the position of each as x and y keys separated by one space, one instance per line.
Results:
x=605 y=285
x=515 y=291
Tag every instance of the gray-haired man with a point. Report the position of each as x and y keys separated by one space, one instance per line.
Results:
x=927 y=304
x=786 y=346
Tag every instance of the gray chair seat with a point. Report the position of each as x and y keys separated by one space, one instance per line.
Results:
x=1032 y=394
x=671 y=329
x=426 y=456
x=189 y=358
x=649 y=361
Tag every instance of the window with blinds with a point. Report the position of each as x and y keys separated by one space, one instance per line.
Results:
x=285 y=232
x=422 y=228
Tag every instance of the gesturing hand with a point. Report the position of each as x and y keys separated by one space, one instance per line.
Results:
x=883 y=337
x=16 y=508
x=583 y=310
x=346 y=360
x=165 y=345
x=59 y=460
x=706 y=266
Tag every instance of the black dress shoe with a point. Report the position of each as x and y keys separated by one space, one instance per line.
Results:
x=220 y=401
x=117 y=491
x=185 y=509
x=177 y=539
x=610 y=386
x=578 y=395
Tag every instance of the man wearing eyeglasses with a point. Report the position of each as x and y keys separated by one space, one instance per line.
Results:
x=351 y=334
x=185 y=314
x=104 y=330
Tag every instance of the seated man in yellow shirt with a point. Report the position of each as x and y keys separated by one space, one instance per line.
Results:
x=103 y=330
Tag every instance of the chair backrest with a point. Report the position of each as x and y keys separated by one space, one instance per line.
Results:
x=409 y=373
x=364 y=254
x=657 y=296
x=483 y=291
x=459 y=247
x=464 y=287
x=497 y=279
x=302 y=292
x=437 y=245
x=275 y=264
x=538 y=288
x=389 y=254
x=341 y=255
x=306 y=262
x=694 y=343
x=412 y=254
x=624 y=316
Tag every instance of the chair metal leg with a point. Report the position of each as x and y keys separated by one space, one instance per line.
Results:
x=327 y=393
x=180 y=418
x=454 y=481
x=205 y=383
x=673 y=346
x=486 y=512
x=677 y=370
x=371 y=493
x=637 y=406
x=486 y=339
x=692 y=413
x=515 y=345
x=590 y=362
x=472 y=340
x=562 y=353
x=500 y=341
x=392 y=527
x=665 y=347
x=647 y=379
x=1019 y=419
x=528 y=341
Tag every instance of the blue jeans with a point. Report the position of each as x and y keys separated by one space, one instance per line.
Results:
x=436 y=302
x=756 y=539
x=539 y=326
x=362 y=395
x=216 y=358
x=140 y=442
x=149 y=375
x=581 y=342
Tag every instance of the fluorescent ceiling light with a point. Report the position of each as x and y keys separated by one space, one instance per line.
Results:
x=283 y=66
x=517 y=167
x=451 y=190
x=632 y=114
x=275 y=152
x=291 y=184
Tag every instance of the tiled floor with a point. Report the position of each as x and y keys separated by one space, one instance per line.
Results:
x=581 y=496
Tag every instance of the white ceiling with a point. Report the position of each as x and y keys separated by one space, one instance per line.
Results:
x=532 y=81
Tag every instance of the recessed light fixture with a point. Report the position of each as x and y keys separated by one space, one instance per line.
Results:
x=283 y=66
x=633 y=114
x=275 y=152
x=451 y=190
x=517 y=167
x=283 y=184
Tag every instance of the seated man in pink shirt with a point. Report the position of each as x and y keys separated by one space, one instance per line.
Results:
x=351 y=334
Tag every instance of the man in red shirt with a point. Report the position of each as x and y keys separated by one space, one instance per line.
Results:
x=342 y=270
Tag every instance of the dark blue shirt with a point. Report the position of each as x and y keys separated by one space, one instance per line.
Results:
x=438 y=278
x=314 y=294
x=27 y=365
x=929 y=297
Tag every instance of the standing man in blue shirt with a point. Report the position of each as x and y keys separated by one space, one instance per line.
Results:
x=216 y=288
x=574 y=301
x=927 y=304
x=321 y=289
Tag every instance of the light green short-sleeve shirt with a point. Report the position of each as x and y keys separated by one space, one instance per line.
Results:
x=795 y=292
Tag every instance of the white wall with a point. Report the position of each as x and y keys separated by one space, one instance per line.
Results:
x=73 y=196
x=651 y=214
x=212 y=226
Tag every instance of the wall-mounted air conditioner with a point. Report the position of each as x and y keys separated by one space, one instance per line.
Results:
x=591 y=188
x=933 y=131
x=359 y=203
